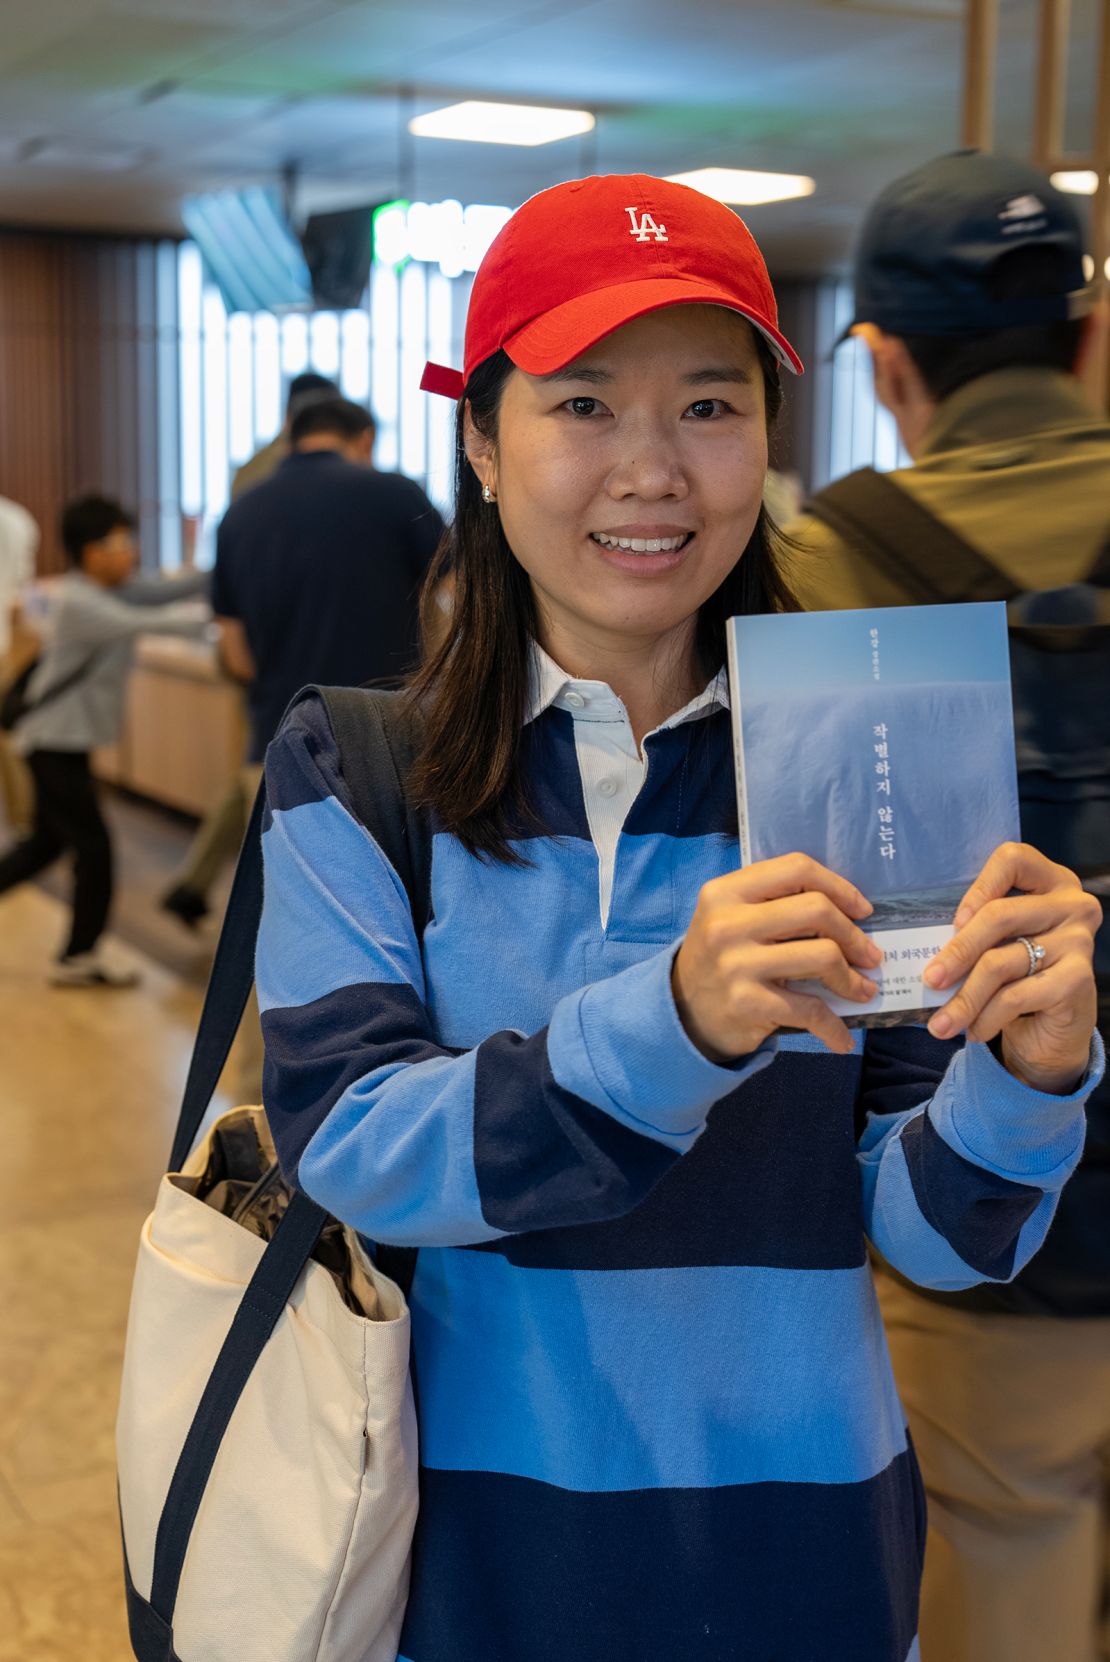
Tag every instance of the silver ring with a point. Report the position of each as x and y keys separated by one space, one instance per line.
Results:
x=1036 y=954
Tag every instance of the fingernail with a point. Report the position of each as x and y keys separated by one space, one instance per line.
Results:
x=964 y=915
x=864 y=904
x=942 y=1027
x=936 y=975
x=875 y=953
x=867 y=989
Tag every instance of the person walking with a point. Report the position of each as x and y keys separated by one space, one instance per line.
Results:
x=971 y=298
x=656 y=1413
x=75 y=704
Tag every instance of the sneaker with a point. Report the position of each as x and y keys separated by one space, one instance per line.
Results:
x=92 y=969
x=187 y=905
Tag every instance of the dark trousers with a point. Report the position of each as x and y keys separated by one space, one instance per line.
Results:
x=67 y=819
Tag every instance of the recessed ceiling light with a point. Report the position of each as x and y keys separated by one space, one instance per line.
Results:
x=1080 y=181
x=480 y=123
x=741 y=187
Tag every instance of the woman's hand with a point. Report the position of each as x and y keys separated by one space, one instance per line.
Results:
x=753 y=931
x=1045 y=1020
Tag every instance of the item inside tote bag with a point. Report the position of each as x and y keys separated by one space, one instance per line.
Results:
x=242 y=1179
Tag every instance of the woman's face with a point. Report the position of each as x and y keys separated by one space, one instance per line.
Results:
x=655 y=438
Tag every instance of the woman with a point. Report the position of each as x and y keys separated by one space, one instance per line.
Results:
x=657 y=1418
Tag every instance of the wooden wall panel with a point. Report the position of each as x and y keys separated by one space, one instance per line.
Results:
x=81 y=357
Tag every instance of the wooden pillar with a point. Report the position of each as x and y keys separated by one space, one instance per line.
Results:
x=1048 y=117
x=981 y=40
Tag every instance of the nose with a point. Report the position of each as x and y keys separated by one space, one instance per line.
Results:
x=648 y=467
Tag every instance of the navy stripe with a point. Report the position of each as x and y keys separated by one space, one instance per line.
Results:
x=690 y=789
x=979 y=1213
x=734 y=1198
x=902 y=1067
x=510 y=1570
x=548 y=761
x=314 y=1052
x=571 y=1158
x=302 y=763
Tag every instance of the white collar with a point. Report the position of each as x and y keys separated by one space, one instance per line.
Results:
x=596 y=701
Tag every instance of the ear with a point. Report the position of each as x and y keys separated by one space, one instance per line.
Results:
x=481 y=452
x=898 y=383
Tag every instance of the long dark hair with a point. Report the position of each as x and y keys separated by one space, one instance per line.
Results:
x=473 y=687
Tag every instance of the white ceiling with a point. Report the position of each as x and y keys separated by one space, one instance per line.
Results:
x=111 y=110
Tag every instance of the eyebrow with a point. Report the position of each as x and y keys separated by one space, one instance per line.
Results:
x=722 y=372
x=711 y=376
x=596 y=377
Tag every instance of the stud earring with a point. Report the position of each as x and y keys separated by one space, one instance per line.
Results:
x=487 y=495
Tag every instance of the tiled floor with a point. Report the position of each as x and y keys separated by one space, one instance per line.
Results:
x=89 y=1083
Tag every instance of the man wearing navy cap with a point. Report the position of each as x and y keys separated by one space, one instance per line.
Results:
x=972 y=300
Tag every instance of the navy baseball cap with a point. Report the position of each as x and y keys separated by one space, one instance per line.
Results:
x=932 y=239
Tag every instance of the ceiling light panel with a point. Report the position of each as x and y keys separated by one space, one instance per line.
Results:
x=741 y=187
x=1079 y=181
x=480 y=123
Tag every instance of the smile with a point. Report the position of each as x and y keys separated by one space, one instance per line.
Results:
x=642 y=545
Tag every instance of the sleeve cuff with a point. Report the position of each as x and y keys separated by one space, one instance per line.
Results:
x=621 y=1045
x=990 y=1117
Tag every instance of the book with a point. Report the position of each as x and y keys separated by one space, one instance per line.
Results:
x=881 y=742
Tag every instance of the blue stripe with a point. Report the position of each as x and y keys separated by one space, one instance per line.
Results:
x=393 y=1158
x=979 y=1213
x=787 y=1138
x=656 y=882
x=506 y=1570
x=334 y=911
x=506 y=943
x=894 y=1220
x=582 y=1379
x=316 y=1052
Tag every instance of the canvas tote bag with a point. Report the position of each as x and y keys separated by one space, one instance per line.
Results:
x=266 y=1438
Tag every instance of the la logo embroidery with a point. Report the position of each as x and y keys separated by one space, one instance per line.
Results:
x=644 y=228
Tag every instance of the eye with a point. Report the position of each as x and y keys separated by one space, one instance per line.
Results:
x=709 y=409
x=583 y=406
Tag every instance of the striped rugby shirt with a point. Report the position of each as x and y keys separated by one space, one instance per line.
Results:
x=657 y=1416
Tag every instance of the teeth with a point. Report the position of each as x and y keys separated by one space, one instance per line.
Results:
x=641 y=545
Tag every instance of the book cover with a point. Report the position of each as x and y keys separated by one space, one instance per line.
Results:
x=880 y=742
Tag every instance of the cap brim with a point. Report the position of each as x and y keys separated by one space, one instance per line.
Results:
x=554 y=340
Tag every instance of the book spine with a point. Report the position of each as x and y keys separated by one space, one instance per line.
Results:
x=738 y=749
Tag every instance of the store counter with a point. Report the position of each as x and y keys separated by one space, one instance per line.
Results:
x=184 y=731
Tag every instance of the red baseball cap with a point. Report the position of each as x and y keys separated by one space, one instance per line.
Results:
x=579 y=260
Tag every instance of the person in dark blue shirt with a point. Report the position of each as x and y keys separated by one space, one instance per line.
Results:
x=318 y=569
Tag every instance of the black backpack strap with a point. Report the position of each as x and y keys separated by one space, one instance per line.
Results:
x=910 y=545
x=378 y=735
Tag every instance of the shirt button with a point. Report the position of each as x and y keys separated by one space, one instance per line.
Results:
x=608 y=787
x=575 y=700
